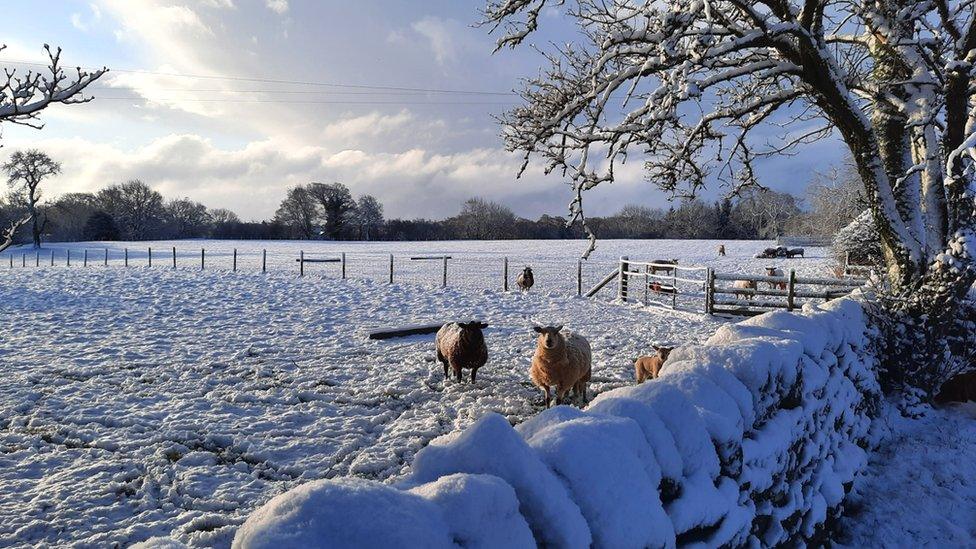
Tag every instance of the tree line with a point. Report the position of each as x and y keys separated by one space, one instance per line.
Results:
x=134 y=211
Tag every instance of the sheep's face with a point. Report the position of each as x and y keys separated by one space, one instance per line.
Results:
x=473 y=326
x=549 y=336
x=527 y=272
x=663 y=352
x=771 y=271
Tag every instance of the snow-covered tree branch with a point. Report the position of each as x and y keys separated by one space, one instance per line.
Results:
x=7 y=236
x=701 y=90
x=24 y=95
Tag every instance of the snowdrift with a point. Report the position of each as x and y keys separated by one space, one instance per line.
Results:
x=753 y=438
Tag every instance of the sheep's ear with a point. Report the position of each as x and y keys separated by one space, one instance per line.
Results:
x=557 y=328
x=482 y=325
x=655 y=347
x=539 y=329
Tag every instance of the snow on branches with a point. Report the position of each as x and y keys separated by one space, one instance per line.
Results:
x=702 y=90
x=24 y=95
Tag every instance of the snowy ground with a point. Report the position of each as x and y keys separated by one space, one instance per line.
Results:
x=142 y=402
x=474 y=265
x=920 y=487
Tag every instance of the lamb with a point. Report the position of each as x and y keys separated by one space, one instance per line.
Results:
x=462 y=345
x=562 y=360
x=721 y=250
x=525 y=280
x=649 y=367
x=744 y=285
x=775 y=271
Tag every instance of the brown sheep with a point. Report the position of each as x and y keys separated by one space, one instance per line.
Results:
x=959 y=388
x=562 y=360
x=721 y=250
x=744 y=285
x=775 y=271
x=462 y=345
x=525 y=280
x=649 y=367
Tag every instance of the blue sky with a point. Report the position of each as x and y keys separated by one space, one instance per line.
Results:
x=230 y=141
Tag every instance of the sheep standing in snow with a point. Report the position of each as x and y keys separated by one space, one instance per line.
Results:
x=721 y=250
x=775 y=271
x=525 y=280
x=745 y=285
x=562 y=360
x=649 y=367
x=462 y=345
x=662 y=265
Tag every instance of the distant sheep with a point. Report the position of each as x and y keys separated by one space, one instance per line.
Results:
x=775 y=271
x=721 y=250
x=525 y=280
x=649 y=367
x=462 y=345
x=660 y=265
x=562 y=360
x=744 y=285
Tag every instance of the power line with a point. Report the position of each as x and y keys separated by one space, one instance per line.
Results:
x=281 y=81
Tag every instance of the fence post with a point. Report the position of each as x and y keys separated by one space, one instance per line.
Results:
x=85 y=263
x=52 y=258
x=11 y=261
x=150 y=256
x=67 y=255
x=622 y=284
x=674 y=286
x=444 y=280
x=23 y=259
x=709 y=290
x=391 y=268
x=790 y=290
x=343 y=265
x=505 y=275
x=264 y=261
x=579 y=277
x=106 y=257
x=126 y=250
x=37 y=258
x=301 y=262
x=235 y=260
x=174 y=257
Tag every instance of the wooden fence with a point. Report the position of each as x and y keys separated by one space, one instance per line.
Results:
x=700 y=289
x=170 y=257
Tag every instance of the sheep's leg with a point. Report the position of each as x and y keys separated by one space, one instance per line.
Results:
x=443 y=360
x=639 y=374
x=548 y=396
x=457 y=372
x=474 y=371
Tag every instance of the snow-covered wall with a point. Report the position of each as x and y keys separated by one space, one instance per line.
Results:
x=750 y=439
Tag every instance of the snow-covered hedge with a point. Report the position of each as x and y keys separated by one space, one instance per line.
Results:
x=750 y=439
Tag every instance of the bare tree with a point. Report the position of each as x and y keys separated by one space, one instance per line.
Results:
x=187 y=219
x=24 y=95
x=484 y=220
x=136 y=208
x=336 y=206
x=369 y=216
x=298 y=211
x=835 y=197
x=25 y=172
x=687 y=83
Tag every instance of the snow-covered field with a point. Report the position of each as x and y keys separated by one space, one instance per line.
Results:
x=474 y=265
x=143 y=402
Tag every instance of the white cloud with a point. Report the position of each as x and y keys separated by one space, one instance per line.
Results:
x=277 y=6
x=440 y=36
x=79 y=22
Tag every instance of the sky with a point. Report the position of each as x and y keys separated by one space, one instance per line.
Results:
x=231 y=102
